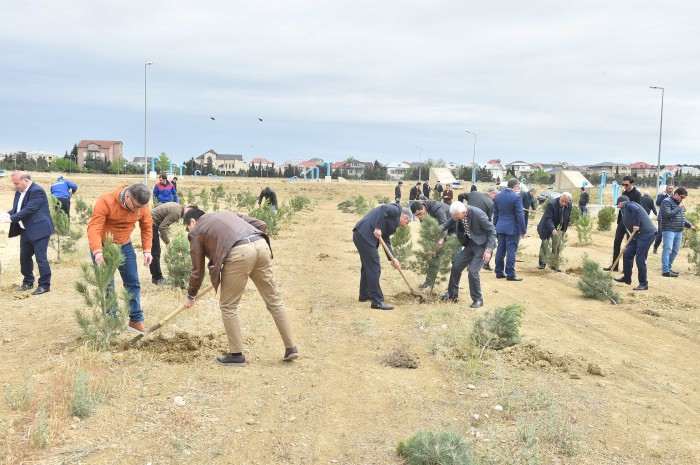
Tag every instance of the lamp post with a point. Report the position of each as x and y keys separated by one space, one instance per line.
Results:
x=420 y=161
x=661 y=126
x=145 y=112
x=473 y=157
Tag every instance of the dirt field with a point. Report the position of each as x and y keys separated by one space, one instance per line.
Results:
x=591 y=383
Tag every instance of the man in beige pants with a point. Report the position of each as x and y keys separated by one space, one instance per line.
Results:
x=237 y=248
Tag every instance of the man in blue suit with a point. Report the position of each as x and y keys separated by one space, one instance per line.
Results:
x=30 y=219
x=509 y=219
x=382 y=221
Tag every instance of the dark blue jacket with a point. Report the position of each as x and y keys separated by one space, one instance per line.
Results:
x=634 y=215
x=648 y=204
x=384 y=217
x=62 y=188
x=672 y=216
x=165 y=193
x=33 y=213
x=528 y=201
x=508 y=216
x=554 y=217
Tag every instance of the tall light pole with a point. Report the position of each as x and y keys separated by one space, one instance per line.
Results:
x=420 y=161
x=473 y=157
x=145 y=112
x=661 y=126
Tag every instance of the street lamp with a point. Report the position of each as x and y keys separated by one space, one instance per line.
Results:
x=145 y=112
x=473 y=158
x=420 y=161
x=661 y=126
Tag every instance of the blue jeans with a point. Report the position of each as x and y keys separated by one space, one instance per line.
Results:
x=672 y=244
x=637 y=251
x=583 y=208
x=130 y=277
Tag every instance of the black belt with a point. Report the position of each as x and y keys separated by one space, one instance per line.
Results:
x=248 y=239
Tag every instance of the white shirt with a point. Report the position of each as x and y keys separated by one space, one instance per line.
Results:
x=19 y=202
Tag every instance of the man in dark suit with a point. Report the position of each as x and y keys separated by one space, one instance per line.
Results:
x=555 y=219
x=382 y=221
x=648 y=204
x=441 y=212
x=528 y=203
x=484 y=202
x=633 y=195
x=426 y=190
x=30 y=219
x=397 y=192
x=415 y=192
x=509 y=220
x=477 y=235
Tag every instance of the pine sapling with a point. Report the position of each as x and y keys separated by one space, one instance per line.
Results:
x=177 y=260
x=401 y=243
x=435 y=253
x=584 y=226
x=64 y=238
x=83 y=210
x=596 y=283
x=556 y=246
x=107 y=311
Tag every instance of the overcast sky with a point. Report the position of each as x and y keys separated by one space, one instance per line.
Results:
x=536 y=81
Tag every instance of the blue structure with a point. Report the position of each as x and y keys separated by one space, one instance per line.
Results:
x=603 y=179
x=665 y=175
x=293 y=179
x=314 y=173
x=214 y=177
x=474 y=170
x=196 y=172
x=176 y=166
x=153 y=164
x=616 y=191
x=327 y=165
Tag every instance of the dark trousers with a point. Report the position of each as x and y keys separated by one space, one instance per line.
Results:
x=526 y=214
x=39 y=250
x=583 y=208
x=506 y=250
x=370 y=271
x=65 y=206
x=156 y=273
x=472 y=258
x=637 y=251
x=620 y=233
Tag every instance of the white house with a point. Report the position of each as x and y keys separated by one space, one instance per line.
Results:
x=397 y=170
x=520 y=168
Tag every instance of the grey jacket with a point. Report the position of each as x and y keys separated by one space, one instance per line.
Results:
x=672 y=216
x=164 y=215
x=481 y=230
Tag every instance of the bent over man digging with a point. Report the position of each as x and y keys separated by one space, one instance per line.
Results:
x=237 y=248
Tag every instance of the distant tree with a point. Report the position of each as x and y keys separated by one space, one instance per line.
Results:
x=163 y=162
x=209 y=169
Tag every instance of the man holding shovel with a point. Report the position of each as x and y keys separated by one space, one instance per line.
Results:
x=381 y=222
x=237 y=249
x=638 y=224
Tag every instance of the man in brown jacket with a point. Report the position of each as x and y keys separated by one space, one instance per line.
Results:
x=163 y=216
x=237 y=248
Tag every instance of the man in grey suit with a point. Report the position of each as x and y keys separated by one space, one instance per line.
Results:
x=484 y=202
x=477 y=235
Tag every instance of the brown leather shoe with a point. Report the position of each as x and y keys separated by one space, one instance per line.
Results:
x=136 y=327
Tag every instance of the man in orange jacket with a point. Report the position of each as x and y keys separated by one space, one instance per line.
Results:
x=116 y=213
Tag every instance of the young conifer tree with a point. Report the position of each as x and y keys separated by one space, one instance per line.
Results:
x=596 y=283
x=178 y=261
x=433 y=258
x=584 y=226
x=107 y=311
x=401 y=243
x=557 y=243
x=64 y=238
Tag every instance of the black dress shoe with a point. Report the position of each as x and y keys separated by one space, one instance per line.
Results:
x=622 y=279
x=674 y=273
x=364 y=299
x=541 y=267
x=477 y=304
x=381 y=306
x=449 y=298
x=26 y=287
x=500 y=276
x=669 y=275
x=641 y=287
x=41 y=290
x=487 y=267
x=514 y=278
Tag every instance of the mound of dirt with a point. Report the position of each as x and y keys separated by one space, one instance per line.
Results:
x=531 y=356
x=181 y=346
x=400 y=357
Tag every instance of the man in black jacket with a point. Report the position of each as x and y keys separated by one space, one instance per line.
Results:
x=583 y=201
x=477 y=235
x=441 y=212
x=426 y=190
x=528 y=203
x=633 y=195
x=648 y=204
x=659 y=199
x=415 y=192
x=270 y=196
x=397 y=192
x=555 y=220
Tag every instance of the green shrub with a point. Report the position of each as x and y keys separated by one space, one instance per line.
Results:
x=83 y=210
x=693 y=243
x=268 y=214
x=401 y=243
x=347 y=206
x=554 y=247
x=299 y=203
x=584 y=226
x=20 y=396
x=204 y=199
x=436 y=448
x=246 y=200
x=606 y=216
x=85 y=396
x=178 y=261
x=498 y=329
x=108 y=312
x=382 y=200
x=596 y=283
x=40 y=431
x=575 y=215
x=217 y=194
x=64 y=238
x=363 y=206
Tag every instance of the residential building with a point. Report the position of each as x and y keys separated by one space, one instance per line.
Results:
x=642 y=169
x=496 y=169
x=140 y=160
x=36 y=154
x=520 y=168
x=105 y=150
x=610 y=168
x=355 y=167
x=224 y=163
x=397 y=171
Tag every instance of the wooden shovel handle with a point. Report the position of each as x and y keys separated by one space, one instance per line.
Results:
x=623 y=250
x=388 y=252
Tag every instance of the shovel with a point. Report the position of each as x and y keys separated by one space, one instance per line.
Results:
x=171 y=315
x=623 y=251
x=388 y=252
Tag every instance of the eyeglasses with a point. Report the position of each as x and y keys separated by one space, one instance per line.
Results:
x=134 y=206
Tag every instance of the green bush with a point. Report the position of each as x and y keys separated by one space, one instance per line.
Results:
x=246 y=200
x=596 y=283
x=498 y=329
x=83 y=210
x=583 y=229
x=363 y=206
x=555 y=246
x=178 y=261
x=299 y=203
x=693 y=243
x=606 y=216
x=268 y=214
x=575 y=215
x=401 y=243
x=108 y=311
x=436 y=448
x=85 y=396
x=40 y=430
